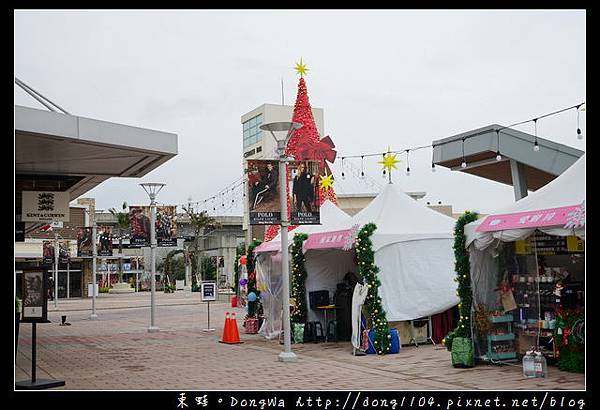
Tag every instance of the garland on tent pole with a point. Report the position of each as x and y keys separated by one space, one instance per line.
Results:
x=253 y=293
x=368 y=270
x=463 y=277
x=298 y=291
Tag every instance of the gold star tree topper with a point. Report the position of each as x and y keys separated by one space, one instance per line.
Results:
x=301 y=68
x=326 y=181
x=389 y=161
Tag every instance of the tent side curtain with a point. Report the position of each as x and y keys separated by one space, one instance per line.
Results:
x=416 y=278
x=269 y=281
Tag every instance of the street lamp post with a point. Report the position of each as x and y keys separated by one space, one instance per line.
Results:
x=152 y=189
x=94 y=316
x=56 y=252
x=287 y=355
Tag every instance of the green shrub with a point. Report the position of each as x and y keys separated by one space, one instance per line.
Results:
x=103 y=290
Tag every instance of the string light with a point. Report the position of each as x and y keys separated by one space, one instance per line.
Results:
x=536 y=147
x=407 y=164
x=362 y=172
x=343 y=175
x=383 y=173
x=579 y=134
x=498 y=156
x=464 y=163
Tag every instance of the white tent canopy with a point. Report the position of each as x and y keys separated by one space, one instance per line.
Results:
x=566 y=190
x=413 y=250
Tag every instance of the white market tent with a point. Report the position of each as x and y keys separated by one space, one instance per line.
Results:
x=566 y=190
x=268 y=265
x=413 y=250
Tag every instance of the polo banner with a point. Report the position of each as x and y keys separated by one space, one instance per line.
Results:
x=45 y=206
x=104 y=241
x=85 y=246
x=166 y=225
x=303 y=190
x=263 y=192
x=64 y=255
x=139 y=221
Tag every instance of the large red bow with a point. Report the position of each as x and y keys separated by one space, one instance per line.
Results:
x=316 y=150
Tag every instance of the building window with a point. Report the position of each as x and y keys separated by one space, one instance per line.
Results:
x=251 y=132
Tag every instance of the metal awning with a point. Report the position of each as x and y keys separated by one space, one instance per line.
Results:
x=55 y=151
x=520 y=166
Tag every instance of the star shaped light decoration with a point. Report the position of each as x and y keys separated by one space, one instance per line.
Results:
x=326 y=181
x=301 y=68
x=389 y=161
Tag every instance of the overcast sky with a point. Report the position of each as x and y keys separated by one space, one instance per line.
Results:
x=398 y=78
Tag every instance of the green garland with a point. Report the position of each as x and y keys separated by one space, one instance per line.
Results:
x=571 y=351
x=298 y=291
x=463 y=277
x=252 y=306
x=368 y=270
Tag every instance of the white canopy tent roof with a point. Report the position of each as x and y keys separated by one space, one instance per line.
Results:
x=566 y=190
x=413 y=250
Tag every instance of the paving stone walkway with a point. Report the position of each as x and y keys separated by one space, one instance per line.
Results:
x=116 y=352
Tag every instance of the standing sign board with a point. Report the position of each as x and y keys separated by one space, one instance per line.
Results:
x=45 y=206
x=208 y=291
x=35 y=296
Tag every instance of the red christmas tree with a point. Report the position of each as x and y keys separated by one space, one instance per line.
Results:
x=306 y=144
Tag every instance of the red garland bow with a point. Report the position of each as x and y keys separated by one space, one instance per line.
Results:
x=316 y=150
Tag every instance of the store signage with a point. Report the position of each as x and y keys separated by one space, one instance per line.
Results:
x=45 y=206
x=528 y=219
x=543 y=244
x=325 y=240
x=208 y=291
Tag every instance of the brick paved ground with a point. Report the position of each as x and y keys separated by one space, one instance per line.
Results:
x=116 y=352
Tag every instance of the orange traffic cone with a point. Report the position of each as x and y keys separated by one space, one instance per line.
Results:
x=235 y=334
x=230 y=331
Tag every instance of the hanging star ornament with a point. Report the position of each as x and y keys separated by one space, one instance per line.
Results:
x=326 y=181
x=389 y=161
x=301 y=68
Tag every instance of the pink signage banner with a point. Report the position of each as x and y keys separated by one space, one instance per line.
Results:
x=333 y=239
x=529 y=219
x=270 y=246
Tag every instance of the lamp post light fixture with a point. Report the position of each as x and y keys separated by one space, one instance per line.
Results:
x=152 y=189
x=287 y=355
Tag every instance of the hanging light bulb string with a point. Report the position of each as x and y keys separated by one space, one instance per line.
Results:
x=577 y=107
x=407 y=164
x=498 y=156
x=464 y=163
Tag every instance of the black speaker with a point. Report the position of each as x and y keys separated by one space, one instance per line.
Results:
x=318 y=298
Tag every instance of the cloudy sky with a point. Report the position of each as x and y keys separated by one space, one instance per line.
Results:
x=398 y=78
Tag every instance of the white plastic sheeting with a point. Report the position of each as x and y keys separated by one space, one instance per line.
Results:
x=568 y=189
x=269 y=279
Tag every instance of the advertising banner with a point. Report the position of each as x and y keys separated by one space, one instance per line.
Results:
x=84 y=242
x=104 y=241
x=166 y=225
x=263 y=192
x=64 y=255
x=528 y=219
x=139 y=220
x=35 y=296
x=45 y=206
x=303 y=189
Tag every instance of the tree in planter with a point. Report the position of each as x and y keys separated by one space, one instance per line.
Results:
x=173 y=268
x=201 y=222
x=123 y=226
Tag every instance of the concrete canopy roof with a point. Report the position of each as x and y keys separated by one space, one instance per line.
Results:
x=481 y=145
x=55 y=151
